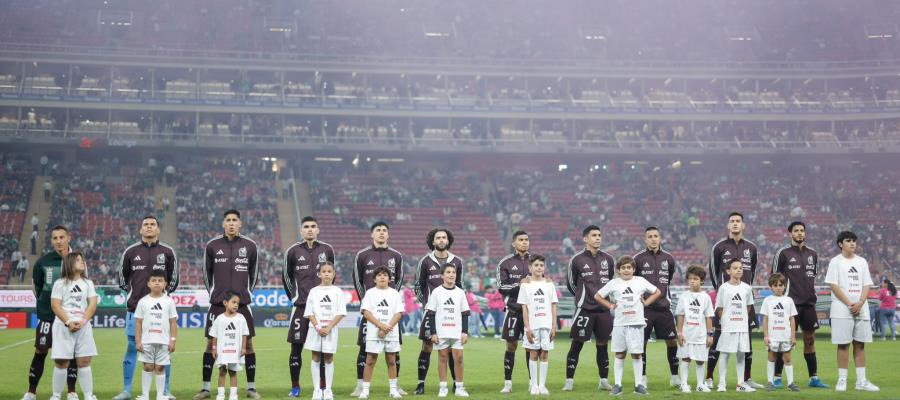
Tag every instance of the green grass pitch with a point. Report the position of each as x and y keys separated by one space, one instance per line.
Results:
x=483 y=371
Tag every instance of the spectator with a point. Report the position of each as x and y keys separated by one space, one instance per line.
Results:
x=888 y=308
x=22 y=268
x=475 y=319
x=34 y=236
x=413 y=313
x=44 y=162
x=496 y=306
x=48 y=187
x=35 y=221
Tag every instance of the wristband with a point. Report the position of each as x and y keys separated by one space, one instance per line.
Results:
x=710 y=334
x=171 y=339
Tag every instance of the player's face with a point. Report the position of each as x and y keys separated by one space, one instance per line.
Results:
x=326 y=274
x=380 y=235
x=626 y=271
x=537 y=268
x=593 y=240
x=521 y=243
x=79 y=266
x=849 y=245
x=735 y=224
x=149 y=229
x=382 y=280
x=778 y=288
x=798 y=234
x=440 y=241
x=309 y=230
x=232 y=225
x=156 y=284
x=449 y=276
x=60 y=240
x=233 y=303
x=694 y=283
x=736 y=270
x=652 y=239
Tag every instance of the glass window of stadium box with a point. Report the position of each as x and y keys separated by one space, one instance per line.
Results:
x=89 y=81
x=131 y=124
x=38 y=121
x=302 y=87
x=175 y=125
x=345 y=129
x=427 y=91
x=222 y=126
x=89 y=123
x=301 y=128
x=342 y=88
x=508 y=92
x=132 y=82
x=46 y=79
x=386 y=90
x=388 y=130
x=11 y=77
x=9 y=120
x=263 y=86
x=222 y=85
x=548 y=92
x=176 y=84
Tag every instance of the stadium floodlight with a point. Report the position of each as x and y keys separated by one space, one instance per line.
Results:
x=741 y=34
x=562 y=167
x=593 y=33
x=880 y=32
x=279 y=24
x=438 y=29
x=115 y=18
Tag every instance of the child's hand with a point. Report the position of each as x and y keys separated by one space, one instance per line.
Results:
x=140 y=347
x=243 y=352
x=530 y=335
x=613 y=306
x=171 y=346
x=552 y=333
x=766 y=340
x=681 y=339
x=709 y=340
x=465 y=338
x=382 y=333
x=793 y=342
x=434 y=339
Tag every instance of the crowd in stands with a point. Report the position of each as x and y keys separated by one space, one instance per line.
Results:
x=15 y=190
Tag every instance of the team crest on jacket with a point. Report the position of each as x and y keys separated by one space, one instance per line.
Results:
x=665 y=265
x=809 y=260
x=746 y=252
x=322 y=257
x=604 y=264
x=392 y=263
x=160 y=258
x=242 y=252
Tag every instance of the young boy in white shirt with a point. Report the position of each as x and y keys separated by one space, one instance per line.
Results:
x=538 y=299
x=229 y=333
x=448 y=311
x=627 y=304
x=695 y=328
x=849 y=278
x=382 y=307
x=733 y=302
x=780 y=330
x=325 y=307
x=156 y=329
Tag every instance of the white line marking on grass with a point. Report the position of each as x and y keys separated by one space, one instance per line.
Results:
x=9 y=346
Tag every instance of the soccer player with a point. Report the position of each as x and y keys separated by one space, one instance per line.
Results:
x=155 y=333
x=780 y=330
x=589 y=271
x=695 y=328
x=47 y=270
x=733 y=302
x=299 y=277
x=137 y=263
x=799 y=265
x=448 y=312
x=379 y=254
x=510 y=271
x=850 y=281
x=626 y=299
x=429 y=277
x=74 y=302
x=230 y=336
x=734 y=246
x=657 y=266
x=327 y=307
x=231 y=265
x=538 y=299
x=382 y=307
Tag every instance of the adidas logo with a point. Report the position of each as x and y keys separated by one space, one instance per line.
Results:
x=628 y=291
x=727 y=253
x=137 y=258
x=449 y=302
x=695 y=303
x=793 y=259
x=302 y=258
x=779 y=306
x=737 y=297
x=157 y=307
x=371 y=262
x=383 y=303
x=515 y=268
x=540 y=292
x=853 y=270
x=646 y=265
x=220 y=252
x=585 y=267
x=76 y=289
x=326 y=299
x=230 y=327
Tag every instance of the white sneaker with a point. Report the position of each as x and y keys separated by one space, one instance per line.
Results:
x=685 y=388
x=401 y=391
x=745 y=387
x=233 y=396
x=841 y=385
x=395 y=394
x=534 y=390
x=357 y=391
x=866 y=386
x=604 y=385
x=442 y=392
x=363 y=394
x=55 y=397
x=722 y=388
x=675 y=381
x=754 y=384
x=568 y=386
x=29 y=396
x=73 y=396
x=461 y=392
x=708 y=383
x=544 y=391
x=317 y=394
x=703 y=389
x=123 y=396
x=327 y=394
x=220 y=396
x=140 y=397
x=507 y=387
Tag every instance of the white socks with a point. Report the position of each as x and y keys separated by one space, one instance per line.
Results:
x=533 y=376
x=842 y=373
x=770 y=371
x=701 y=373
x=86 y=381
x=723 y=367
x=739 y=367
x=161 y=386
x=637 y=366
x=618 y=370
x=59 y=380
x=789 y=373
x=545 y=365
x=683 y=367
x=860 y=374
x=314 y=372
x=146 y=382
x=329 y=375
x=232 y=393
x=393 y=384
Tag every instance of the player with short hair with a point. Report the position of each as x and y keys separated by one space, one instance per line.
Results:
x=780 y=329
x=733 y=302
x=695 y=328
x=447 y=311
x=155 y=333
x=74 y=302
x=850 y=281
x=510 y=272
x=538 y=299
x=382 y=307
x=230 y=337
x=327 y=307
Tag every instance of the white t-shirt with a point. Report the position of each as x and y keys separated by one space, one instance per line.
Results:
x=74 y=296
x=229 y=333
x=696 y=308
x=733 y=300
x=155 y=313
x=851 y=275
x=383 y=304
x=779 y=309
x=628 y=296
x=448 y=306
x=326 y=303
x=539 y=297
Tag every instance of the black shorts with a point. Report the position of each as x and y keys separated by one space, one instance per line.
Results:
x=216 y=309
x=299 y=326
x=43 y=335
x=661 y=321
x=426 y=330
x=513 y=325
x=364 y=326
x=587 y=324
x=807 y=318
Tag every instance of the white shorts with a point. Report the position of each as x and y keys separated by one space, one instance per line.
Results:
x=379 y=345
x=68 y=345
x=733 y=342
x=236 y=367
x=843 y=331
x=541 y=340
x=780 y=346
x=327 y=344
x=629 y=339
x=693 y=351
x=455 y=344
x=155 y=353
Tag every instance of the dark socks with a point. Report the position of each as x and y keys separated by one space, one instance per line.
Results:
x=572 y=358
x=360 y=362
x=295 y=362
x=36 y=371
x=509 y=362
x=452 y=367
x=672 y=353
x=71 y=375
x=208 y=361
x=812 y=365
x=424 y=364
x=779 y=364
x=250 y=362
x=603 y=361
